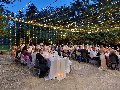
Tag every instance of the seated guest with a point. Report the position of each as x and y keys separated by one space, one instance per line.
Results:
x=84 y=55
x=93 y=53
x=54 y=47
x=74 y=52
x=18 y=51
x=77 y=52
x=24 y=49
x=41 y=46
x=94 y=56
x=26 y=55
x=65 y=51
x=29 y=49
x=59 y=50
x=37 y=46
x=71 y=50
x=113 y=60
x=41 y=64
x=28 y=52
x=34 y=56
x=33 y=47
x=22 y=46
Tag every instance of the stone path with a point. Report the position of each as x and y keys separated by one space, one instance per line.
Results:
x=82 y=77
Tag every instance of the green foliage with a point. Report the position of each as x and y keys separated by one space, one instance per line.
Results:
x=107 y=38
x=4 y=47
x=100 y=19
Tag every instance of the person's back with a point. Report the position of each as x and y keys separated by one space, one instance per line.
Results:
x=41 y=64
x=113 y=58
x=41 y=59
x=36 y=65
x=59 y=50
x=84 y=53
x=113 y=61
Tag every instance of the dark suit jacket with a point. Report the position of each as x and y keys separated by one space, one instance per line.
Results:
x=84 y=53
x=41 y=59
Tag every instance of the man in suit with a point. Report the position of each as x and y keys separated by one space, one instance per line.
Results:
x=84 y=54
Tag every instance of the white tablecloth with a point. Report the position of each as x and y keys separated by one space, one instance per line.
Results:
x=58 y=68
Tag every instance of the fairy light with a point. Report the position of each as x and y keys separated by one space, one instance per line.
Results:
x=15 y=34
x=20 y=36
x=36 y=36
x=76 y=27
x=24 y=41
x=33 y=34
x=29 y=34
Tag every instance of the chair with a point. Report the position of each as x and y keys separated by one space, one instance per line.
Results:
x=33 y=58
x=22 y=60
x=36 y=69
x=18 y=57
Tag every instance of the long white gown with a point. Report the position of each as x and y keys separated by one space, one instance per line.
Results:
x=103 y=62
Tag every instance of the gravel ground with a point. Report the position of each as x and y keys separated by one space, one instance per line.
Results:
x=82 y=77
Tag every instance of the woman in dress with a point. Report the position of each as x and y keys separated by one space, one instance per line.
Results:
x=13 y=52
x=103 y=60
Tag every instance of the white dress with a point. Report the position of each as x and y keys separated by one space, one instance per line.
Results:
x=103 y=62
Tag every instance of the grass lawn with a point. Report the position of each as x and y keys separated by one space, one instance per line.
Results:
x=4 y=47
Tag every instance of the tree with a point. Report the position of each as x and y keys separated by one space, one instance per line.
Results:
x=3 y=26
x=31 y=12
x=97 y=18
x=9 y=1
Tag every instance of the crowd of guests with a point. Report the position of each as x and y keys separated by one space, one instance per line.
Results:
x=103 y=57
x=36 y=55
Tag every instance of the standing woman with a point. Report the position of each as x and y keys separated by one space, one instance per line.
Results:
x=13 y=53
x=103 y=60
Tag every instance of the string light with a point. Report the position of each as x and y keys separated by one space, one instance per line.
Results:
x=75 y=26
